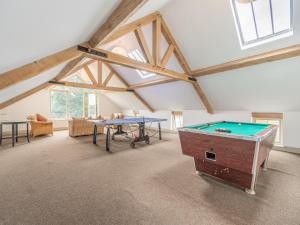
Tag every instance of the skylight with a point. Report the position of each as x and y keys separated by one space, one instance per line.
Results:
x=262 y=21
x=137 y=55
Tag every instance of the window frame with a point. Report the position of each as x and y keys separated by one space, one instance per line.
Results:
x=280 y=144
x=68 y=102
x=173 y=119
x=261 y=40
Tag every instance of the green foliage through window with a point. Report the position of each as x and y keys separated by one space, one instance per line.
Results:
x=73 y=102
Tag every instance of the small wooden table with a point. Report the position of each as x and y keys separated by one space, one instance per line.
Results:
x=14 y=131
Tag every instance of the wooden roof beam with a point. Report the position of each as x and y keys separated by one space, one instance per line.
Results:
x=34 y=90
x=90 y=75
x=124 y=10
x=156 y=40
x=123 y=30
x=139 y=34
x=152 y=83
x=110 y=57
x=33 y=69
x=171 y=40
x=278 y=54
x=140 y=98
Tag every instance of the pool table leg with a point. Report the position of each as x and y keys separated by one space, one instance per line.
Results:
x=199 y=173
x=250 y=191
x=265 y=164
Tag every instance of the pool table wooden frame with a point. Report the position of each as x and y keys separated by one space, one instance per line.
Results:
x=229 y=157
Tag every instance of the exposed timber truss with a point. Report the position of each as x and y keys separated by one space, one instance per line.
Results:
x=156 y=63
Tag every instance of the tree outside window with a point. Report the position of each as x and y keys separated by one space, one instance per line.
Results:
x=58 y=104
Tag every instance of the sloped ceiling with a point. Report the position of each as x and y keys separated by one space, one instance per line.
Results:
x=206 y=34
x=33 y=29
x=272 y=86
x=29 y=84
x=204 y=30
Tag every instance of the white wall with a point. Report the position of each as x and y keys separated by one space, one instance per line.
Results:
x=107 y=107
x=290 y=129
x=40 y=103
x=158 y=114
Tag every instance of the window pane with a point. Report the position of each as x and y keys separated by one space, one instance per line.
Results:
x=282 y=14
x=274 y=122
x=245 y=17
x=92 y=106
x=76 y=105
x=255 y=26
x=58 y=104
x=138 y=56
x=263 y=17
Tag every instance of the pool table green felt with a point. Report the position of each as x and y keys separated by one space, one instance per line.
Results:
x=248 y=129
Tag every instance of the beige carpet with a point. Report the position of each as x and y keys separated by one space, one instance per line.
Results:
x=63 y=180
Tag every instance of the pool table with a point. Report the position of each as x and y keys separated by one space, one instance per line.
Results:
x=231 y=151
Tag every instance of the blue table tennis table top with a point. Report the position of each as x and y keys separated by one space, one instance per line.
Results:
x=128 y=120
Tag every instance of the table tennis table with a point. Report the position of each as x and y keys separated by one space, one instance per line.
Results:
x=133 y=124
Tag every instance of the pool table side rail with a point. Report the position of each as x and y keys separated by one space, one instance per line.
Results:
x=258 y=137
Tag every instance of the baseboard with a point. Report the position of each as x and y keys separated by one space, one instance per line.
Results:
x=287 y=149
x=163 y=130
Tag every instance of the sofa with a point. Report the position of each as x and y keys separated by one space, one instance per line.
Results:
x=81 y=127
x=40 y=125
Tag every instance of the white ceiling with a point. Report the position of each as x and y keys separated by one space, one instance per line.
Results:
x=272 y=86
x=33 y=29
x=26 y=85
x=206 y=34
x=204 y=30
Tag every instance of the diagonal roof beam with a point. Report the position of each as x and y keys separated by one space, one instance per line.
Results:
x=124 y=10
x=184 y=65
x=110 y=57
x=119 y=15
x=34 y=90
x=139 y=34
x=32 y=69
x=171 y=40
x=123 y=30
x=90 y=74
x=278 y=54
x=140 y=98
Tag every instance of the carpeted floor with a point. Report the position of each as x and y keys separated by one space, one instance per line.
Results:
x=63 y=180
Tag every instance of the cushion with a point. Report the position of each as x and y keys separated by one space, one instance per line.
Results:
x=41 y=118
x=32 y=117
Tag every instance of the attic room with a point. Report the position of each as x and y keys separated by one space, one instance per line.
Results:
x=150 y=112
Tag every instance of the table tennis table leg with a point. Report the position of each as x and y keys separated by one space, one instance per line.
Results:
x=1 y=133
x=107 y=138
x=159 y=131
x=95 y=135
x=13 y=134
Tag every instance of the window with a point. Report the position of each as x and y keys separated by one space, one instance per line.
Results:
x=270 y=118
x=138 y=56
x=91 y=105
x=76 y=104
x=58 y=104
x=136 y=113
x=73 y=102
x=262 y=21
x=177 y=120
